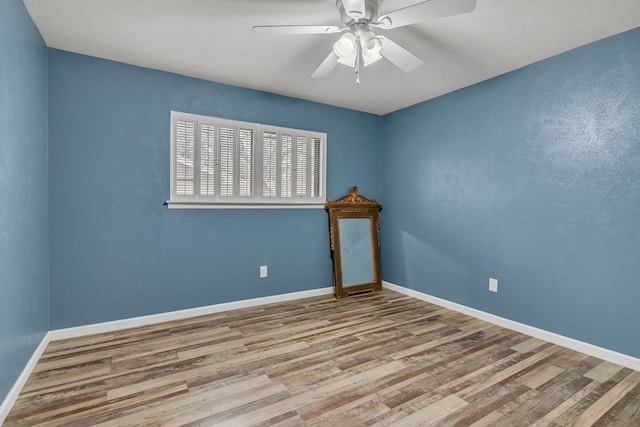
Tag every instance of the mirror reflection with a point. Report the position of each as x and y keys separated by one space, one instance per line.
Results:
x=355 y=244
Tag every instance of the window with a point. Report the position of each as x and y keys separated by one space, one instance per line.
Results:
x=217 y=162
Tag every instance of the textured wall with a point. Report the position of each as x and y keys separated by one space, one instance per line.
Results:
x=118 y=252
x=24 y=241
x=532 y=178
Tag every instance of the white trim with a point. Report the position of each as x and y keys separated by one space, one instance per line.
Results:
x=581 y=346
x=190 y=205
x=133 y=322
x=11 y=397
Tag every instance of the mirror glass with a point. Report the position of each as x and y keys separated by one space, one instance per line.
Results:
x=355 y=250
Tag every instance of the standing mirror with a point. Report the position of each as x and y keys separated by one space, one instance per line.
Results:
x=355 y=245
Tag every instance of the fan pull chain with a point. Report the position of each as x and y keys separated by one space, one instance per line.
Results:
x=358 y=54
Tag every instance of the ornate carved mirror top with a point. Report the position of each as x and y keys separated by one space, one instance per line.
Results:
x=355 y=247
x=353 y=199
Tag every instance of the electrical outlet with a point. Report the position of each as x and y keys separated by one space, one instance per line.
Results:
x=493 y=285
x=263 y=271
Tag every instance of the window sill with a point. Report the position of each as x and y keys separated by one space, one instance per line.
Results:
x=196 y=205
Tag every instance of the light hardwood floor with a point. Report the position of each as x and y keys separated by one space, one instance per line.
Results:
x=372 y=360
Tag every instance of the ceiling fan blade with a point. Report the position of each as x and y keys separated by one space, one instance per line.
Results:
x=297 y=29
x=399 y=56
x=326 y=67
x=430 y=9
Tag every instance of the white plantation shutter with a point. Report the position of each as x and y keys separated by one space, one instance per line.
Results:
x=269 y=164
x=224 y=162
x=316 y=161
x=246 y=163
x=301 y=166
x=185 y=154
x=227 y=154
x=207 y=160
x=286 y=166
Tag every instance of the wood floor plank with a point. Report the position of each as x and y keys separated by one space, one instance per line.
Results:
x=490 y=419
x=194 y=372
x=195 y=407
x=381 y=359
x=504 y=374
x=624 y=412
x=603 y=371
x=434 y=343
x=355 y=413
x=434 y=413
x=606 y=402
x=495 y=400
x=564 y=406
x=539 y=376
x=528 y=345
x=304 y=399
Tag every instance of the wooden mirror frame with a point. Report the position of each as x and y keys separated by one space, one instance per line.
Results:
x=353 y=205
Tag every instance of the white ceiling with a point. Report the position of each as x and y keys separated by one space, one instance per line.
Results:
x=213 y=40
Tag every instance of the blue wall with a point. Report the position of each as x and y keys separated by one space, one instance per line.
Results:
x=24 y=241
x=532 y=178
x=118 y=252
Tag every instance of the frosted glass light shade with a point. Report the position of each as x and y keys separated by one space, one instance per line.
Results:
x=371 y=47
x=345 y=46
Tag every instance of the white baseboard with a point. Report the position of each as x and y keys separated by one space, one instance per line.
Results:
x=105 y=327
x=11 y=397
x=581 y=346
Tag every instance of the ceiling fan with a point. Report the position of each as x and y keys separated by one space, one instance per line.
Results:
x=361 y=46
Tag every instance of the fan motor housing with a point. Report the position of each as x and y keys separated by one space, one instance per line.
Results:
x=349 y=17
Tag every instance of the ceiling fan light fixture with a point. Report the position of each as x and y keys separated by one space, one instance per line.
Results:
x=345 y=46
x=374 y=46
x=367 y=39
x=345 y=49
x=368 y=59
x=349 y=61
x=371 y=47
